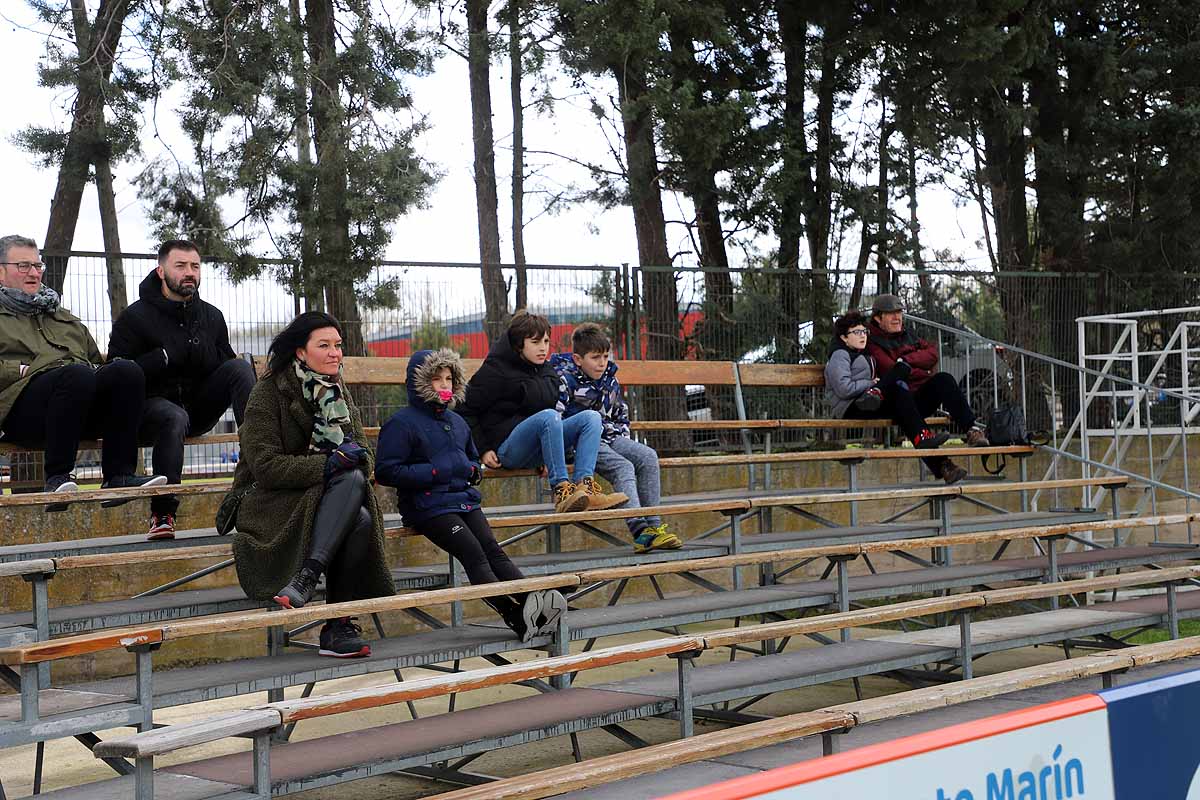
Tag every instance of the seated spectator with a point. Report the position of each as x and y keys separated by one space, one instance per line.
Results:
x=891 y=344
x=54 y=386
x=192 y=374
x=856 y=392
x=306 y=504
x=589 y=382
x=511 y=408
x=426 y=453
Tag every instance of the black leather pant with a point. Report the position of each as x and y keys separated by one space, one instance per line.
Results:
x=341 y=539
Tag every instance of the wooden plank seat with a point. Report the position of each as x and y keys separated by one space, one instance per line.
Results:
x=343 y=761
x=65 y=620
x=193 y=684
x=852 y=456
x=437 y=646
x=611 y=769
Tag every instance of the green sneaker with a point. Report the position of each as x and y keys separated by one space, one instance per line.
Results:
x=656 y=538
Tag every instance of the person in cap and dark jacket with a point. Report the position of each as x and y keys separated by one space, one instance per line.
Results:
x=55 y=388
x=893 y=346
x=426 y=453
x=192 y=373
x=856 y=391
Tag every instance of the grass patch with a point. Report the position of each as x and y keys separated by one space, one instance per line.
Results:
x=1187 y=627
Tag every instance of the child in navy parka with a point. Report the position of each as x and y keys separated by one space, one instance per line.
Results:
x=426 y=453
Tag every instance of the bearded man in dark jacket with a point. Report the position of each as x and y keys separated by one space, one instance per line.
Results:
x=192 y=373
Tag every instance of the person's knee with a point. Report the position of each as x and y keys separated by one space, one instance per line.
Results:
x=76 y=377
x=591 y=419
x=122 y=379
x=547 y=417
x=173 y=422
x=239 y=373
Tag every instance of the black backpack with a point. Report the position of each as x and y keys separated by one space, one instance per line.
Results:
x=1006 y=426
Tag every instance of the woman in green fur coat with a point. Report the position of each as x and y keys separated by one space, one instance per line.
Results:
x=308 y=508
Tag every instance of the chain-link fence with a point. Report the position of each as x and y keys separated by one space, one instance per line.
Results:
x=745 y=315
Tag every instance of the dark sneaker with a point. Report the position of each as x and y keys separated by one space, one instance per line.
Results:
x=951 y=472
x=59 y=483
x=299 y=589
x=129 y=482
x=342 y=638
x=976 y=438
x=553 y=606
x=162 y=526
x=928 y=440
x=511 y=613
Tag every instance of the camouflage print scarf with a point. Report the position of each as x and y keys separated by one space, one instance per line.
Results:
x=332 y=413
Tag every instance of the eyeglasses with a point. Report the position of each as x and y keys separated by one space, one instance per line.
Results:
x=857 y=332
x=24 y=266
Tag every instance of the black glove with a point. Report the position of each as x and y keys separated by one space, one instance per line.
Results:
x=476 y=476
x=347 y=456
x=900 y=370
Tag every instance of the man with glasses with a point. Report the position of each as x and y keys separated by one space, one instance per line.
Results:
x=192 y=373
x=893 y=346
x=54 y=386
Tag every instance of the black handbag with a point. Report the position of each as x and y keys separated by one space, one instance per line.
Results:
x=227 y=513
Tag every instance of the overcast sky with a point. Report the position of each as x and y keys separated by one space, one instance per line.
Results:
x=446 y=231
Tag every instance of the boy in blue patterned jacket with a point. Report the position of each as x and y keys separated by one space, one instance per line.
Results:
x=589 y=382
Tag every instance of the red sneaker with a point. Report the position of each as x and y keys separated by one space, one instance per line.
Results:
x=162 y=526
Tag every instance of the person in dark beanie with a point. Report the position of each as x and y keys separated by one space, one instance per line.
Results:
x=192 y=374
x=893 y=345
x=426 y=453
x=301 y=500
x=856 y=391
x=54 y=386
x=511 y=406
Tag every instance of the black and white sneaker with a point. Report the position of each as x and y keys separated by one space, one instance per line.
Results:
x=56 y=484
x=554 y=605
x=129 y=482
x=342 y=638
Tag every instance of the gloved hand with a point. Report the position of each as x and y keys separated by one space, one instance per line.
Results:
x=476 y=476
x=347 y=456
x=900 y=371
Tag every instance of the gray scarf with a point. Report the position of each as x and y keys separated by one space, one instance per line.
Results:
x=45 y=301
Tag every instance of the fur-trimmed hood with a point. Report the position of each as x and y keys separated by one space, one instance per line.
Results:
x=422 y=366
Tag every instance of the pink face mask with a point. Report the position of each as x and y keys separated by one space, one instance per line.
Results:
x=444 y=395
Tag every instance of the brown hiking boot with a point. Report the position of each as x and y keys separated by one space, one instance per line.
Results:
x=976 y=438
x=568 y=497
x=951 y=472
x=597 y=499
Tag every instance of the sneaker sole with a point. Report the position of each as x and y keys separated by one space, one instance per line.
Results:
x=159 y=536
x=579 y=504
x=672 y=544
x=157 y=480
x=553 y=607
x=612 y=501
x=530 y=612
x=286 y=601
x=365 y=651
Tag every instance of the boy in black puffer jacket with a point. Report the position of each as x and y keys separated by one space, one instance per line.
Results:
x=426 y=453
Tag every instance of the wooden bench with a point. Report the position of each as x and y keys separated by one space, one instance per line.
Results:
x=306 y=769
x=418 y=649
x=826 y=722
x=165 y=605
